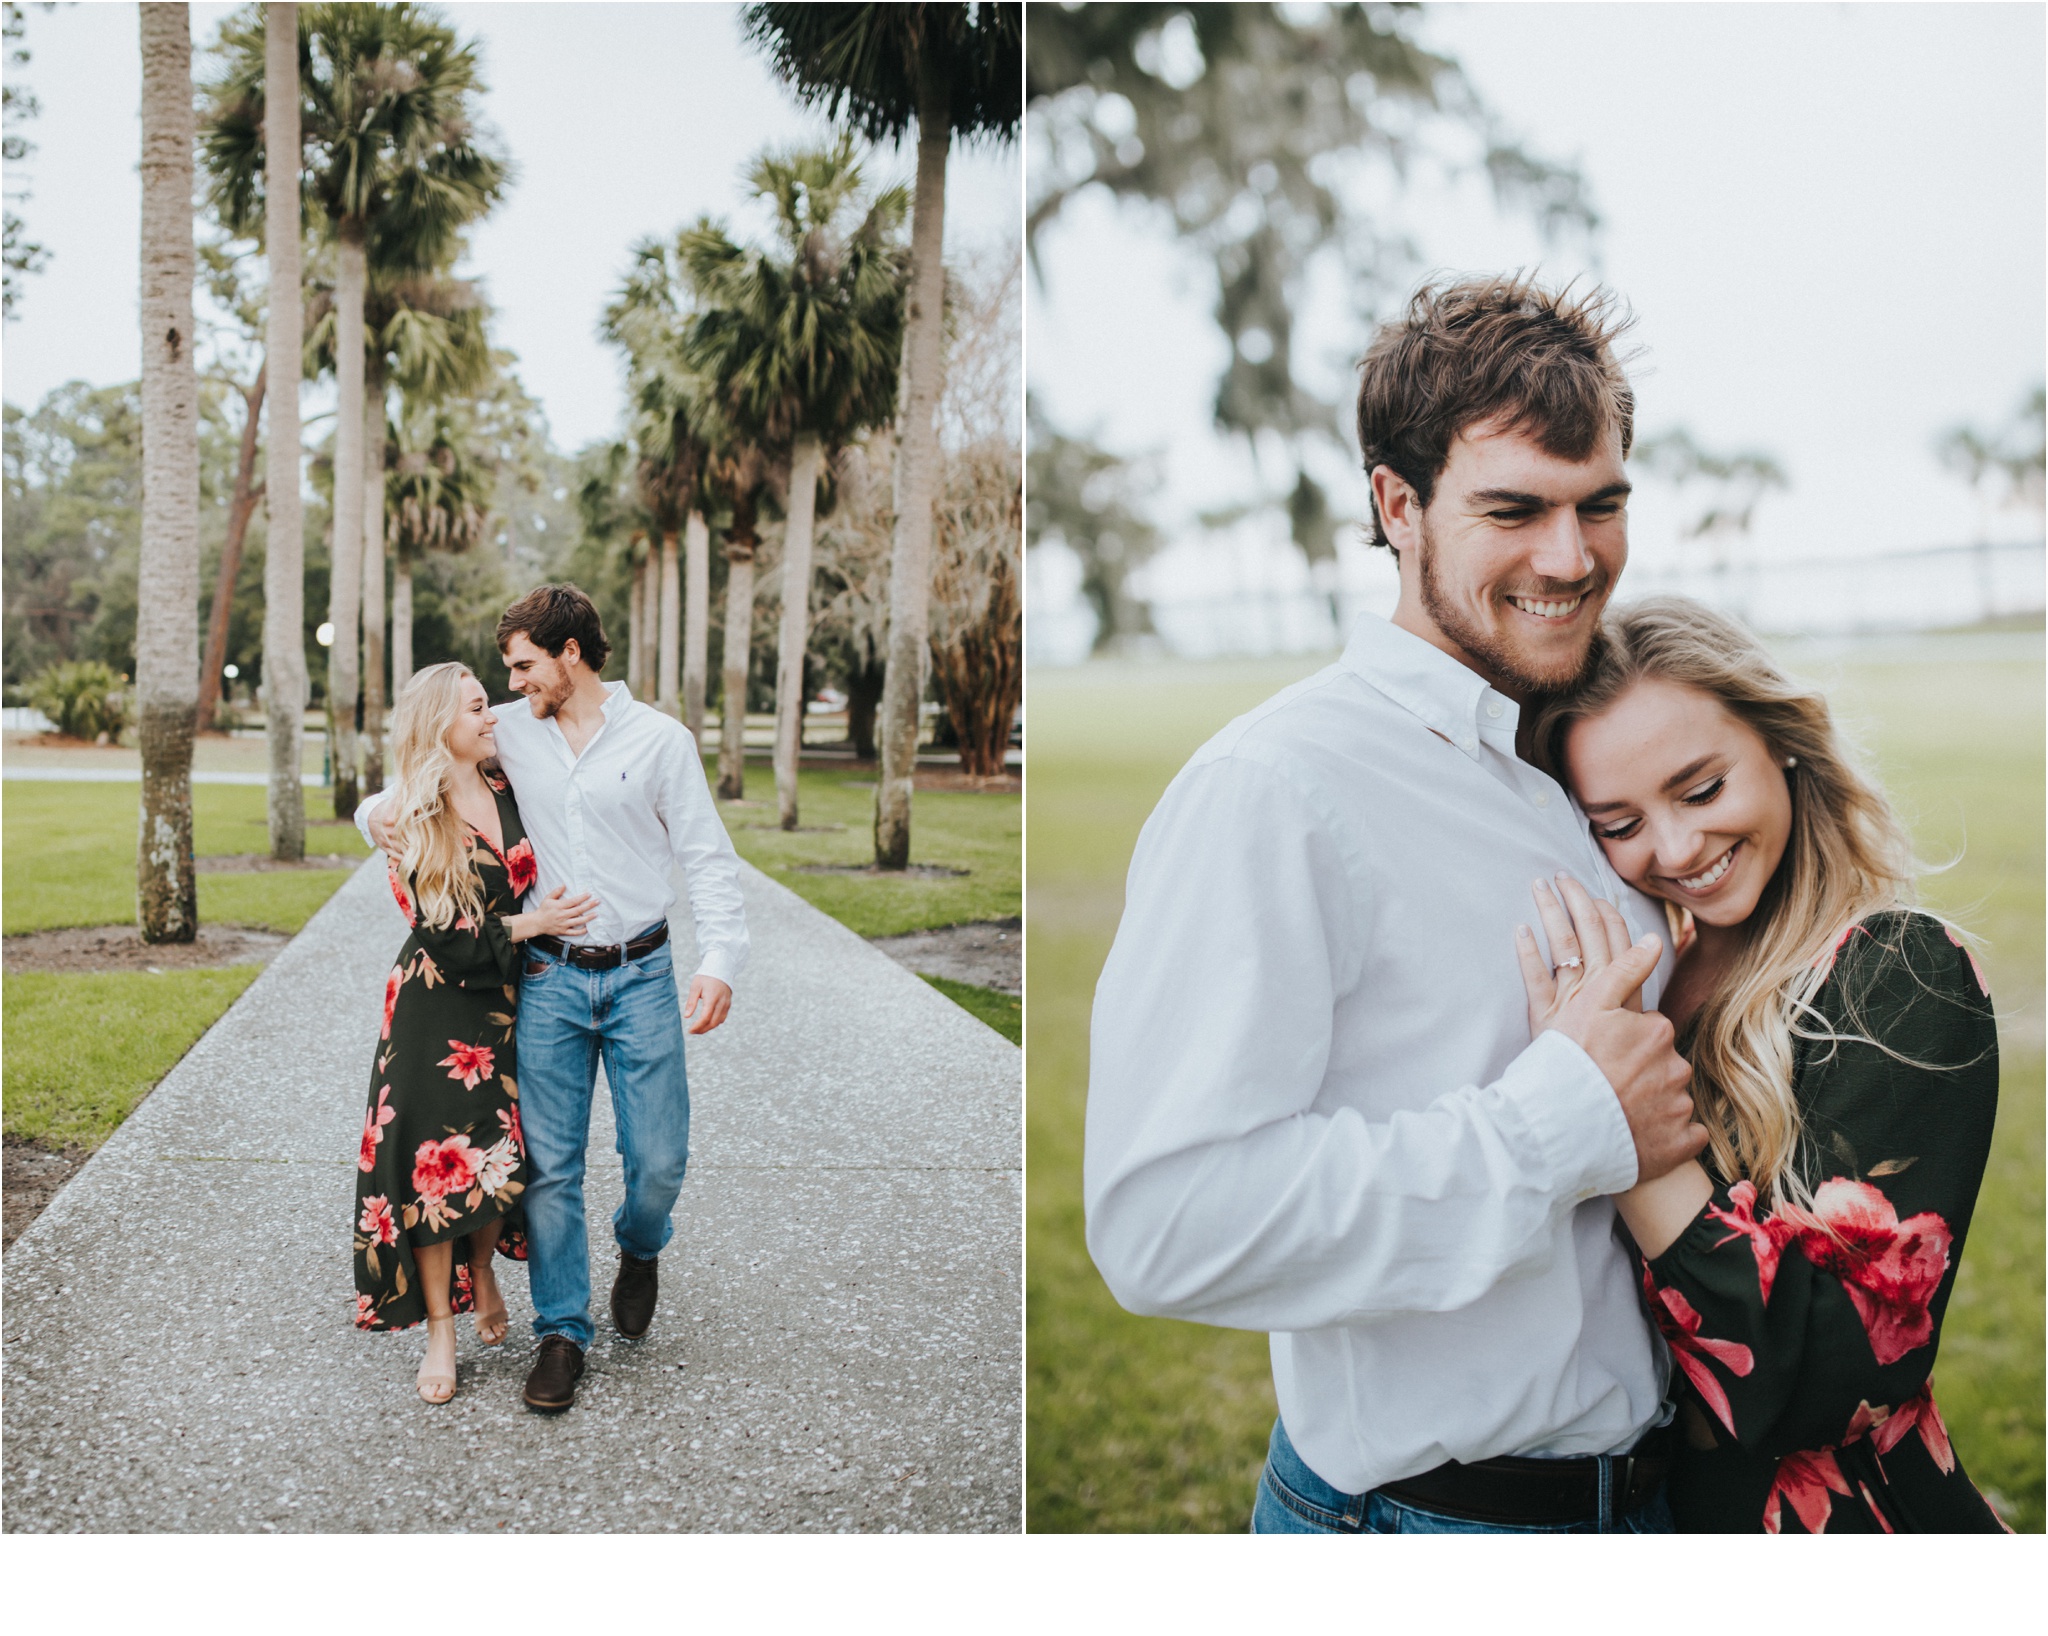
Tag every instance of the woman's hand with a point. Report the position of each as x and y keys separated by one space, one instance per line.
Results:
x=557 y=915
x=1586 y=935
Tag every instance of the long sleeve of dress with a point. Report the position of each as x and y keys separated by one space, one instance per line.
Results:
x=1803 y=1330
x=466 y=954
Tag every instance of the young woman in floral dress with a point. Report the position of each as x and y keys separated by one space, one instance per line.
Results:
x=1845 y=1066
x=442 y=1160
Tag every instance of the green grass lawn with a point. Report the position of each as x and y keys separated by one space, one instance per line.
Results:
x=1002 y=1012
x=70 y=857
x=981 y=835
x=1147 y=1424
x=83 y=1048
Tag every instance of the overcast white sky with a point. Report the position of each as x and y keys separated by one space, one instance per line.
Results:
x=622 y=120
x=1828 y=218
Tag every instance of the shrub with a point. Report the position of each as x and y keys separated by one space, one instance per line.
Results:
x=83 y=697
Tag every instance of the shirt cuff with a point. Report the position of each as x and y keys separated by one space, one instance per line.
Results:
x=720 y=964
x=368 y=805
x=1573 y=1116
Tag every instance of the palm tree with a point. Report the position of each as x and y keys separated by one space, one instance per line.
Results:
x=737 y=472
x=942 y=68
x=439 y=494
x=425 y=333
x=225 y=274
x=643 y=321
x=799 y=345
x=280 y=225
x=167 y=593
x=390 y=121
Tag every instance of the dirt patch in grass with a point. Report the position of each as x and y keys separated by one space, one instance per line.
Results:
x=30 y=1179
x=120 y=948
x=985 y=953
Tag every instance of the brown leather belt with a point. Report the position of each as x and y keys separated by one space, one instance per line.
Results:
x=602 y=956
x=1516 y=1491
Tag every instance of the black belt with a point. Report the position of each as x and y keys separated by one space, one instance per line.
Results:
x=602 y=956
x=1516 y=1491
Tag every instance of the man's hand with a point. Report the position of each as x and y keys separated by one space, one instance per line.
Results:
x=716 y=999
x=1596 y=1005
x=380 y=832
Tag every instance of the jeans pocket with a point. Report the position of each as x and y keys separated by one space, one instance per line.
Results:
x=537 y=968
x=1318 y=1517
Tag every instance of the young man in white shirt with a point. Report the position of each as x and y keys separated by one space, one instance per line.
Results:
x=1314 y=1106
x=612 y=796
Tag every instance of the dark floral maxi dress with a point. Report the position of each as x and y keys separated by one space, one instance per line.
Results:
x=1806 y=1336
x=442 y=1153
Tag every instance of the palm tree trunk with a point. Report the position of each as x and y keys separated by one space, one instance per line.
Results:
x=671 y=623
x=345 y=579
x=739 y=630
x=167 y=590
x=636 y=642
x=401 y=621
x=696 y=619
x=373 y=579
x=248 y=492
x=917 y=472
x=649 y=634
x=284 y=551
x=806 y=460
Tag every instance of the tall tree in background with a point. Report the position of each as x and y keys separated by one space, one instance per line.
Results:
x=737 y=472
x=942 y=69
x=799 y=345
x=1251 y=128
x=17 y=104
x=440 y=496
x=167 y=624
x=390 y=98
x=224 y=274
x=284 y=578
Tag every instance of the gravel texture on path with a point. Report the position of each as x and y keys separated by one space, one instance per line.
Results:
x=838 y=1345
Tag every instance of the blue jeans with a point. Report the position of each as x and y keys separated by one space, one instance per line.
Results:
x=1294 y=1500
x=568 y=1018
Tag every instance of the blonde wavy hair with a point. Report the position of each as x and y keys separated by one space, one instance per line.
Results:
x=434 y=842
x=1847 y=857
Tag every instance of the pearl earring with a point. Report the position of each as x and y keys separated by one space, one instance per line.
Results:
x=1791 y=762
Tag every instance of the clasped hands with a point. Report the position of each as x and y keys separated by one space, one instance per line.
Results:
x=1598 y=1005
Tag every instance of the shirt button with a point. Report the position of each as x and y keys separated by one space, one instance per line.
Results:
x=1543 y=798
x=1493 y=708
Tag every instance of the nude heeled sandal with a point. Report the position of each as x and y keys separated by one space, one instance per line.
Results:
x=436 y=1388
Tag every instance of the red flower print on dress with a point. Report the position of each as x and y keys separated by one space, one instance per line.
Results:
x=508 y=1121
x=521 y=867
x=374 y=1121
x=468 y=1063
x=1870 y=1500
x=1917 y=1413
x=441 y=1168
x=1766 y=1238
x=1890 y=1268
x=398 y=891
x=1807 y=1483
x=1680 y=1324
x=377 y=1225
x=391 y=987
x=366 y=1312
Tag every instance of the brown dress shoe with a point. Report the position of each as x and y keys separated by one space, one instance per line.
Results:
x=551 y=1387
x=633 y=1293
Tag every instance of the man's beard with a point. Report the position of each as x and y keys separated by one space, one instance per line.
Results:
x=1502 y=661
x=545 y=701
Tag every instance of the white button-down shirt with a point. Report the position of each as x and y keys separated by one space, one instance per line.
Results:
x=1314 y=1107
x=617 y=819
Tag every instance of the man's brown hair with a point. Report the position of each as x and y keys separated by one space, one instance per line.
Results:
x=551 y=615
x=1491 y=349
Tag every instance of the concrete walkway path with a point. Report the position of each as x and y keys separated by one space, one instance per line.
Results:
x=838 y=1345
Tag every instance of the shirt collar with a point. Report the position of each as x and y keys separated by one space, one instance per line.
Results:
x=1446 y=696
